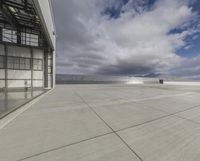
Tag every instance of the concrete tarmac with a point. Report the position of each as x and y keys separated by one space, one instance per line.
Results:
x=112 y=122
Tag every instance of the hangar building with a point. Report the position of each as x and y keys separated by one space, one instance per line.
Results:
x=27 y=45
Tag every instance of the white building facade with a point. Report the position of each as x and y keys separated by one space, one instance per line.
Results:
x=27 y=45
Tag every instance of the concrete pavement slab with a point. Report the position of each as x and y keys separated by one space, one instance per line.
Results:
x=167 y=139
x=105 y=148
x=61 y=126
x=37 y=131
x=120 y=116
x=192 y=114
x=169 y=104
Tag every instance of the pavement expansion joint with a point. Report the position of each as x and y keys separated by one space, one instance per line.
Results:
x=64 y=146
x=135 y=153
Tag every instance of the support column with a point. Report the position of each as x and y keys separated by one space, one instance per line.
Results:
x=31 y=70
x=18 y=36
x=6 y=76
x=6 y=67
x=1 y=34
x=45 y=68
x=51 y=67
x=54 y=69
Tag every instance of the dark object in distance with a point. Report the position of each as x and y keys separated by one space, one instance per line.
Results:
x=161 y=81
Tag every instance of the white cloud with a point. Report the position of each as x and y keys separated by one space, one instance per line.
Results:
x=136 y=42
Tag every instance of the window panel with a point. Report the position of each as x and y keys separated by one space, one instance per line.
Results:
x=10 y=62
x=9 y=35
x=29 y=39
x=16 y=66
x=22 y=66
x=37 y=64
x=16 y=63
x=16 y=60
x=27 y=67
x=1 y=62
x=27 y=64
x=22 y=63
x=19 y=63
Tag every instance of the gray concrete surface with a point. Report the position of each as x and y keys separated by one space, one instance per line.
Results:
x=107 y=123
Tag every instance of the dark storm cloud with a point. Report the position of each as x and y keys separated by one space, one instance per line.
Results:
x=126 y=70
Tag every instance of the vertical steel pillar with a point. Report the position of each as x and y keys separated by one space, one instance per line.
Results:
x=18 y=36
x=51 y=67
x=1 y=34
x=54 y=69
x=31 y=69
x=6 y=76
x=6 y=67
x=45 y=68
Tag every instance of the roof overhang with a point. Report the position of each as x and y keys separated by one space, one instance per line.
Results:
x=44 y=10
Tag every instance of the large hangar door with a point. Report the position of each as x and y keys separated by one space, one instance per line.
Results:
x=21 y=67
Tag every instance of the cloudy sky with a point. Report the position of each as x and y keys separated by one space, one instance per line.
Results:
x=128 y=37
